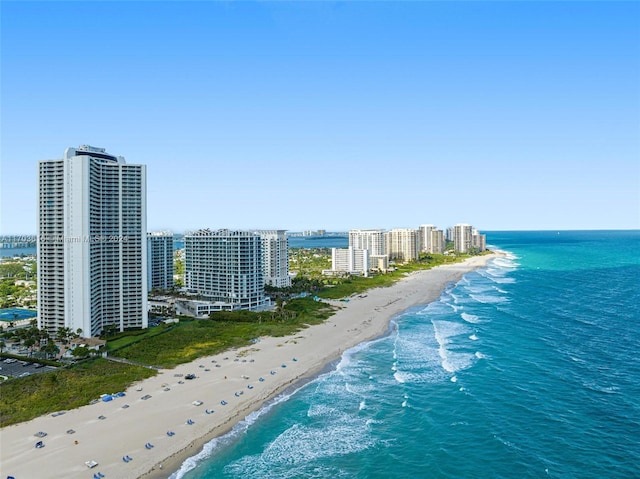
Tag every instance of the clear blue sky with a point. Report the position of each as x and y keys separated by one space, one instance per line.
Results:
x=334 y=115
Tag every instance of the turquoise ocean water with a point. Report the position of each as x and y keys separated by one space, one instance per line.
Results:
x=528 y=368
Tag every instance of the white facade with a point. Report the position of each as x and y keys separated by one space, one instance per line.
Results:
x=372 y=240
x=92 y=248
x=438 y=243
x=426 y=238
x=225 y=268
x=462 y=238
x=403 y=244
x=160 y=260
x=275 y=257
x=350 y=260
x=478 y=241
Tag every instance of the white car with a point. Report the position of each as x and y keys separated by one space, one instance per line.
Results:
x=197 y=403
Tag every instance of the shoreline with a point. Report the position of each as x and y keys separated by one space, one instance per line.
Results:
x=232 y=385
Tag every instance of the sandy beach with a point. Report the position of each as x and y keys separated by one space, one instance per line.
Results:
x=180 y=415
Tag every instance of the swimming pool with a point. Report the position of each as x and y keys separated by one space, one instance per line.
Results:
x=16 y=314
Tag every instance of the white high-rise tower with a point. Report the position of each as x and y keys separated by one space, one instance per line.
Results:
x=92 y=242
x=275 y=258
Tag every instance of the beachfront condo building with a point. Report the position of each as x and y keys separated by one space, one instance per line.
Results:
x=478 y=241
x=426 y=241
x=160 y=260
x=438 y=243
x=92 y=243
x=275 y=258
x=372 y=240
x=403 y=244
x=462 y=238
x=431 y=239
x=350 y=261
x=223 y=269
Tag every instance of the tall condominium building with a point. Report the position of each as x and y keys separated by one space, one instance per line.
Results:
x=350 y=260
x=275 y=258
x=225 y=268
x=426 y=241
x=462 y=238
x=438 y=243
x=92 y=246
x=372 y=240
x=478 y=241
x=403 y=244
x=160 y=260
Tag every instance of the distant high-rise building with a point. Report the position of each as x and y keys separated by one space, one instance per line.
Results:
x=350 y=260
x=160 y=260
x=403 y=244
x=426 y=244
x=372 y=240
x=478 y=240
x=225 y=268
x=462 y=238
x=92 y=246
x=275 y=258
x=438 y=243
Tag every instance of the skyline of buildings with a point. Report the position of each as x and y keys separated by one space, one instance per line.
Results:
x=97 y=262
x=92 y=242
x=400 y=244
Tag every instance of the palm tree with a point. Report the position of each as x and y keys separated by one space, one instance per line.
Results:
x=51 y=349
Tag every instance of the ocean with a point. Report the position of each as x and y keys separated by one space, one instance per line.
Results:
x=527 y=368
x=11 y=252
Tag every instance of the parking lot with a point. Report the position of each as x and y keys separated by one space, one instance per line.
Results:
x=15 y=368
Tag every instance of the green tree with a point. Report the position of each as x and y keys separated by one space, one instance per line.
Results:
x=64 y=335
x=29 y=342
x=51 y=349
x=81 y=352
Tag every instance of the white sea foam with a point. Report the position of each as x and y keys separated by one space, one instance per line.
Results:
x=400 y=377
x=473 y=337
x=506 y=262
x=299 y=445
x=453 y=362
x=238 y=429
x=470 y=318
x=319 y=409
x=488 y=299
x=454 y=379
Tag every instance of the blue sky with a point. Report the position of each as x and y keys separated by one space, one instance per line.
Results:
x=333 y=115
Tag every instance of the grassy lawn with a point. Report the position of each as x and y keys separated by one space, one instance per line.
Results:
x=131 y=337
x=190 y=340
x=26 y=398
x=357 y=285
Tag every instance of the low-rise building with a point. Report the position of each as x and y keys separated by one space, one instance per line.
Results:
x=350 y=260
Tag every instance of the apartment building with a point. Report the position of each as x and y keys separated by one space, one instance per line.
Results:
x=224 y=269
x=92 y=242
x=160 y=260
x=275 y=257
